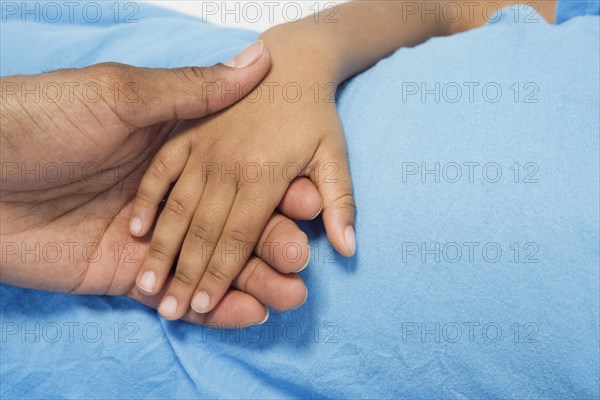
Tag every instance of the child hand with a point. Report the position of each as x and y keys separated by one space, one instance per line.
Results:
x=230 y=173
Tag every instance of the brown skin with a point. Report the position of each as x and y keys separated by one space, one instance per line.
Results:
x=232 y=213
x=366 y=31
x=120 y=139
x=324 y=50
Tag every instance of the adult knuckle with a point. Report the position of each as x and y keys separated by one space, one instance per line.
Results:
x=345 y=201
x=195 y=74
x=112 y=72
x=255 y=274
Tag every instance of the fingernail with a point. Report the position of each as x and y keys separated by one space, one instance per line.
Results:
x=305 y=264
x=317 y=214
x=147 y=281
x=266 y=317
x=168 y=307
x=135 y=227
x=350 y=239
x=201 y=302
x=304 y=302
x=248 y=56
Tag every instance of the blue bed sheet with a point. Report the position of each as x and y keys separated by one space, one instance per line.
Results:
x=567 y=9
x=475 y=160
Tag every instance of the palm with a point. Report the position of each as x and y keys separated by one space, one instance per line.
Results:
x=71 y=168
x=86 y=218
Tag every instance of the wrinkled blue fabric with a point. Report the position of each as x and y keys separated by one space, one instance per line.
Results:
x=511 y=175
x=567 y=9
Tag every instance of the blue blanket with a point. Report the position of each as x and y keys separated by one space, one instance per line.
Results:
x=476 y=171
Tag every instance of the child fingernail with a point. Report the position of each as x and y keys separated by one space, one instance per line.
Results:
x=168 y=307
x=135 y=226
x=350 y=239
x=147 y=281
x=248 y=56
x=201 y=302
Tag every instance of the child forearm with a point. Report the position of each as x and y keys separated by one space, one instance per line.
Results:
x=344 y=41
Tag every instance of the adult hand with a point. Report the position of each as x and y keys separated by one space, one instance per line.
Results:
x=75 y=144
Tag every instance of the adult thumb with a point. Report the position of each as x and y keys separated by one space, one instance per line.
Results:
x=163 y=94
